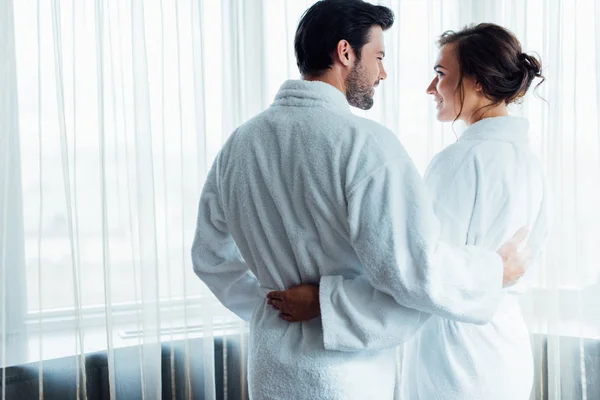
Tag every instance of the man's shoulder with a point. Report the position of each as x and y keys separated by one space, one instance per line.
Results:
x=369 y=136
x=323 y=127
x=371 y=127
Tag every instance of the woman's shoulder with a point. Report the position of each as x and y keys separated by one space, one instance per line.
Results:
x=452 y=157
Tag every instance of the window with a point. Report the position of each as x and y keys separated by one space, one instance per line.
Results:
x=93 y=189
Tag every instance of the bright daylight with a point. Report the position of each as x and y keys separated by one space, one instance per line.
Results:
x=300 y=199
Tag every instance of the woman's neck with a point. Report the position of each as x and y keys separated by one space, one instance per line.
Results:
x=499 y=110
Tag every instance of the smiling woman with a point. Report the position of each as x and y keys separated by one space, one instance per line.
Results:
x=116 y=110
x=479 y=71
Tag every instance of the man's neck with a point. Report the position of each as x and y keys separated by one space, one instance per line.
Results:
x=330 y=77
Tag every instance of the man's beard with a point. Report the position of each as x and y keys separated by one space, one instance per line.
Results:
x=359 y=91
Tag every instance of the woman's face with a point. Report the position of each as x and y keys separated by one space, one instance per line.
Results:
x=445 y=90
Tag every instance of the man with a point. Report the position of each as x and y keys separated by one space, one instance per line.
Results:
x=307 y=189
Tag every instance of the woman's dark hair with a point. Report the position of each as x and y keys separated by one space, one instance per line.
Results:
x=327 y=22
x=493 y=56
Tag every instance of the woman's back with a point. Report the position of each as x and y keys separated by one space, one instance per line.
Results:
x=485 y=187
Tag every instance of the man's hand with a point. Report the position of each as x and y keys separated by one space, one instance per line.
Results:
x=515 y=261
x=298 y=303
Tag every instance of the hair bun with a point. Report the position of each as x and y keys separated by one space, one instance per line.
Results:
x=530 y=64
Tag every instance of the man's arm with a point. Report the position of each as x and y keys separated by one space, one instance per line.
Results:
x=217 y=259
x=396 y=235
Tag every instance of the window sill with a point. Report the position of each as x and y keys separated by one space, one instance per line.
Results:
x=59 y=333
x=563 y=312
x=59 y=344
x=185 y=320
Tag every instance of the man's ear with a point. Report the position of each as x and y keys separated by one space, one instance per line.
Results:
x=345 y=53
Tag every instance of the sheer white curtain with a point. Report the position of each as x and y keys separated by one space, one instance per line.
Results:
x=112 y=112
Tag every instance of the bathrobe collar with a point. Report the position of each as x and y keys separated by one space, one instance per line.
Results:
x=505 y=129
x=300 y=93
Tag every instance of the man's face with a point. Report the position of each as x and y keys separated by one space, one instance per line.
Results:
x=367 y=72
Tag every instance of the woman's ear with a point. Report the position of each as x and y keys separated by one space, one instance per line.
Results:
x=478 y=86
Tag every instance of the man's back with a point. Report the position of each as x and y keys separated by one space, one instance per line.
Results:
x=282 y=186
x=283 y=179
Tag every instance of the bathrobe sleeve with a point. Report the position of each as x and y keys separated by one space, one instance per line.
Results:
x=216 y=258
x=396 y=235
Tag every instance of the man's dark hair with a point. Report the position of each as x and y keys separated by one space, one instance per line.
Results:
x=327 y=22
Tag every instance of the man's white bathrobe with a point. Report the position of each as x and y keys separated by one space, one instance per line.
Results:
x=307 y=189
x=485 y=187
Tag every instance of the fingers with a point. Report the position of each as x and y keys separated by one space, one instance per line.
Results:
x=276 y=294
x=278 y=304
x=276 y=299
x=513 y=277
x=515 y=246
x=526 y=256
x=520 y=235
x=522 y=260
x=287 y=317
x=515 y=266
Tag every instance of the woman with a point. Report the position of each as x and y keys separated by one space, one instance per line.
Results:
x=479 y=71
x=484 y=187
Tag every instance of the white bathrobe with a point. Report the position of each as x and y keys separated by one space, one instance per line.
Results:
x=307 y=189
x=485 y=187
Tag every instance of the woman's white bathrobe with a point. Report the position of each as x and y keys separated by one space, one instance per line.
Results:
x=485 y=187
x=308 y=189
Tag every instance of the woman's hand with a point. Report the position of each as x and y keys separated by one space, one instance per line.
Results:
x=515 y=261
x=298 y=303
